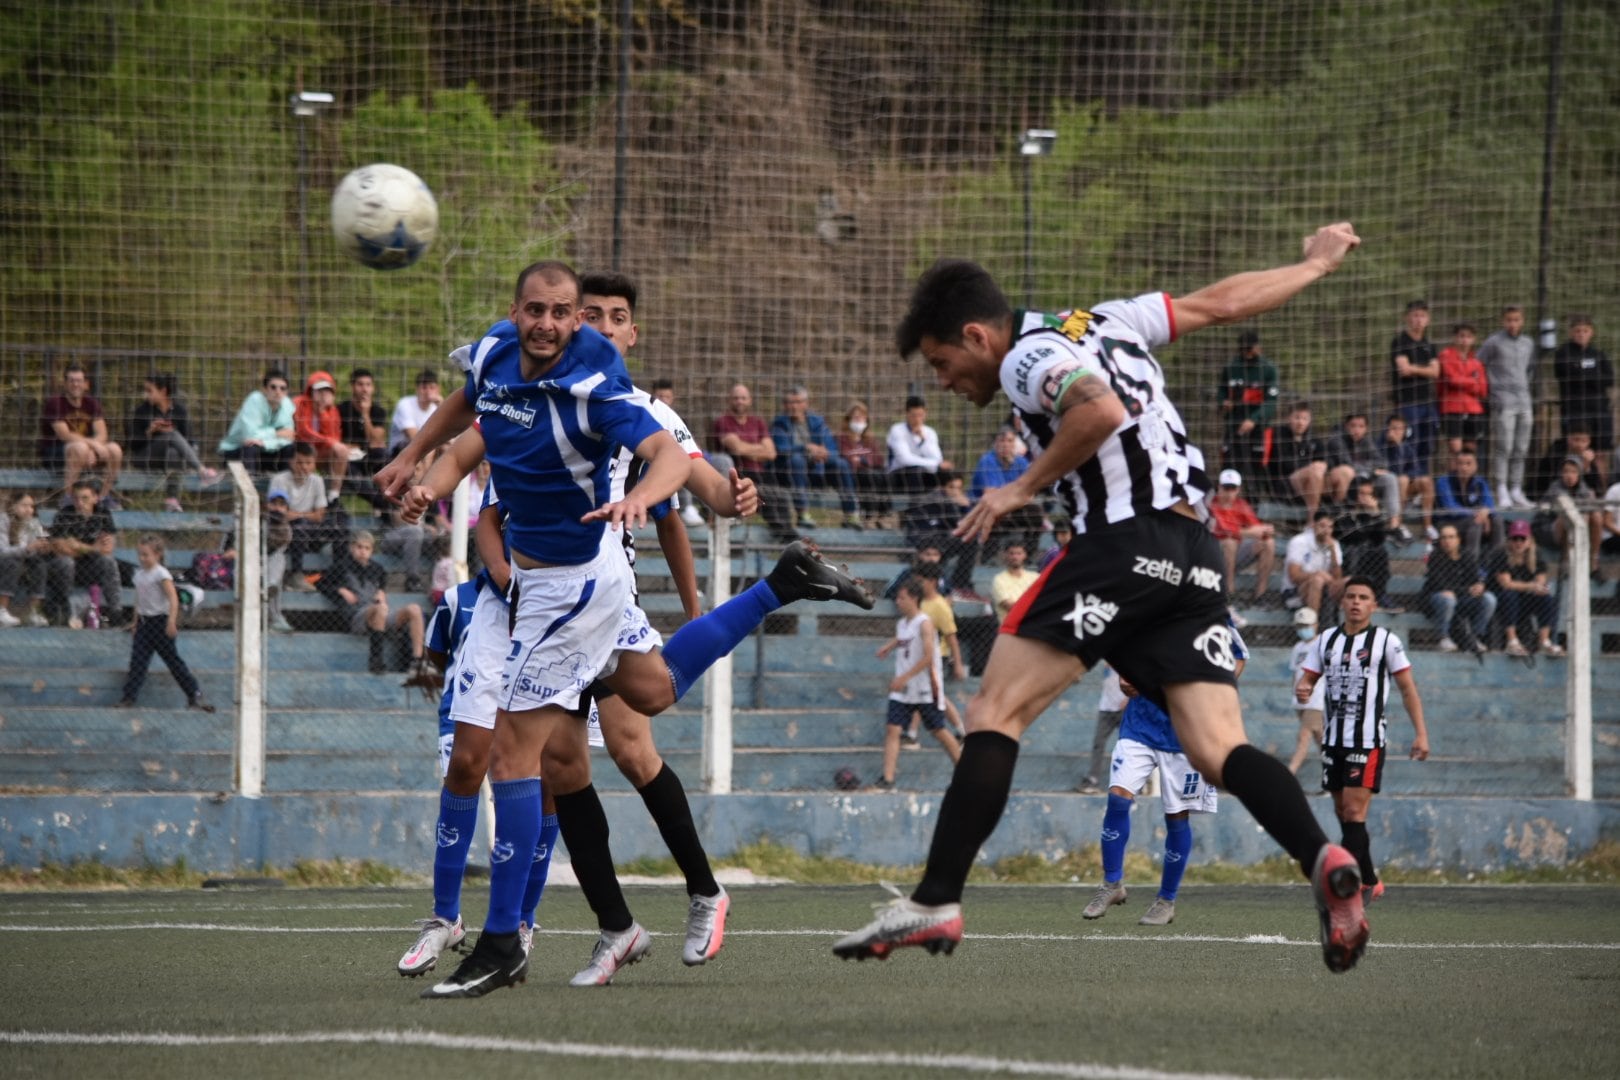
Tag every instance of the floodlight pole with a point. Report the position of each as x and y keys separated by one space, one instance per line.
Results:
x=305 y=104
x=1037 y=142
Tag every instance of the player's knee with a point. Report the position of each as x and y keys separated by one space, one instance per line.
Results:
x=637 y=759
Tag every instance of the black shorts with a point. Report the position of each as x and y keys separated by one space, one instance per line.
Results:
x=1148 y=595
x=1343 y=768
x=933 y=716
x=1469 y=426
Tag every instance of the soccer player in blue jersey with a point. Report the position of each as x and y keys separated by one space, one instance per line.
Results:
x=554 y=404
x=1147 y=741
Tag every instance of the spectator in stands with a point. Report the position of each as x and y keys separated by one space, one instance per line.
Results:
x=320 y=426
x=1610 y=542
x=663 y=390
x=1549 y=526
x=865 y=456
x=807 y=456
x=1454 y=595
x=25 y=552
x=1002 y=464
x=742 y=441
x=160 y=438
x=365 y=424
x=1244 y=538
x=1247 y=392
x=1585 y=385
x=1007 y=586
x=1578 y=443
x=1353 y=455
x=1414 y=367
x=278 y=536
x=261 y=436
x=410 y=413
x=358 y=588
x=1313 y=569
x=917 y=689
x=1522 y=593
x=307 y=511
x=1413 y=480
x=1361 y=531
x=1062 y=533
x=915 y=457
x=1509 y=356
x=83 y=539
x=1461 y=390
x=1463 y=498
x=1297 y=459
x=929 y=523
x=73 y=434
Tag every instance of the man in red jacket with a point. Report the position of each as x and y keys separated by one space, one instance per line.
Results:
x=316 y=421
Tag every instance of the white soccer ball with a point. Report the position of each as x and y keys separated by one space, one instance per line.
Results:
x=384 y=216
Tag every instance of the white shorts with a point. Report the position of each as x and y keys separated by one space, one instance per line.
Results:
x=593 y=727
x=1181 y=787
x=477 y=684
x=571 y=624
x=446 y=744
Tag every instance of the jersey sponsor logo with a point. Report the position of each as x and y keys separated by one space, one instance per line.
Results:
x=1189 y=787
x=449 y=835
x=1160 y=569
x=494 y=401
x=1216 y=645
x=544 y=682
x=1027 y=365
x=1205 y=578
x=1074 y=325
x=1091 y=615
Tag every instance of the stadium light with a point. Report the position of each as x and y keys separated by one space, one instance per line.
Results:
x=1037 y=142
x=305 y=104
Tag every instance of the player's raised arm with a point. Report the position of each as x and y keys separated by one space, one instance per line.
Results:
x=441 y=480
x=667 y=470
x=453 y=416
x=1245 y=295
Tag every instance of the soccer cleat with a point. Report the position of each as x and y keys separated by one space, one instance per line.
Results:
x=1372 y=892
x=802 y=574
x=497 y=960
x=705 y=927
x=526 y=938
x=436 y=936
x=1336 y=884
x=1108 y=894
x=612 y=952
x=1161 y=912
x=903 y=922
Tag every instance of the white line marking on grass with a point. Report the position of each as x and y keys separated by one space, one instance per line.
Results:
x=960 y=1063
x=1140 y=939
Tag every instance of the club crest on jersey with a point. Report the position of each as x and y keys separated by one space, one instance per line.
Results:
x=1091 y=615
x=1216 y=645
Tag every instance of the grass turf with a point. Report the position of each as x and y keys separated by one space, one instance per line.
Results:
x=1460 y=981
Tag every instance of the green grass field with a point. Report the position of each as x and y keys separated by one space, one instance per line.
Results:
x=1466 y=981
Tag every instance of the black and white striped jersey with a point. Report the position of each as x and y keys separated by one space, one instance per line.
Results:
x=1148 y=463
x=1356 y=671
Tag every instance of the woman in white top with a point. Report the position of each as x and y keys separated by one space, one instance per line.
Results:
x=24 y=553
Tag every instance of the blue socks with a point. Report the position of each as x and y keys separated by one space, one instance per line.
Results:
x=458 y=818
x=1116 y=832
x=517 y=831
x=1177 y=846
x=540 y=867
x=692 y=649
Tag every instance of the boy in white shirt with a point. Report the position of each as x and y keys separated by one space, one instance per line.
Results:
x=918 y=685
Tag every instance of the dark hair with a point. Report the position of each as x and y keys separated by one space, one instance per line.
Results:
x=1468 y=326
x=75 y=366
x=1300 y=406
x=949 y=295
x=1417 y=305
x=1359 y=579
x=914 y=401
x=361 y=373
x=1322 y=512
x=912 y=588
x=609 y=283
x=548 y=269
x=163 y=380
x=427 y=377
x=663 y=384
x=1394 y=416
x=1248 y=338
x=1580 y=318
x=1511 y=308
x=275 y=373
x=926 y=568
x=1465 y=449
x=303 y=449
x=87 y=482
x=1354 y=416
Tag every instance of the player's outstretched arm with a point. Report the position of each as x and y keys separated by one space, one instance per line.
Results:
x=1243 y=296
x=491 y=547
x=732 y=496
x=677 y=549
x=1414 y=709
x=453 y=416
x=449 y=470
x=667 y=470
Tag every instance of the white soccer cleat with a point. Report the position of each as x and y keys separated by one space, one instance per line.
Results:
x=612 y=952
x=903 y=922
x=705 y=927
x=1108 y=894
x=436 y=936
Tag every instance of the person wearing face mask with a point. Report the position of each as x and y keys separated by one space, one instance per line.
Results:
x=858 y=446
x=261 y=436
x=1310 y=713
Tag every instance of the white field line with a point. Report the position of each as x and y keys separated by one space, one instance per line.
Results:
x=944 y=1063
x=1143 y=939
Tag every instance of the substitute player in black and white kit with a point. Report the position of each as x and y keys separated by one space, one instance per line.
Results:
x=1356 y=661
x=1141 y=585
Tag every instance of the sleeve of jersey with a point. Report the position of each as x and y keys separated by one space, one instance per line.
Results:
x=1395 y=658
x=1039 y=371
x=1151 y=315
x=438 y=632
x=1313 y=656
x=623 y=421
x=676 y=427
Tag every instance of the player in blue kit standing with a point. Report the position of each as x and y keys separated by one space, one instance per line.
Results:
x=554 y=403
x=1147 y=741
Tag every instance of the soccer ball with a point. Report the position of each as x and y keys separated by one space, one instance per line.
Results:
x=384 y=216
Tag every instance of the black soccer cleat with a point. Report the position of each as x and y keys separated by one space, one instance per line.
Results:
x=802 y=574
x=497 y=960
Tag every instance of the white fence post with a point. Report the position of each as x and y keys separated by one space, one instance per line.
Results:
x=717 y=737
x=249 y=637
x=1578 y=621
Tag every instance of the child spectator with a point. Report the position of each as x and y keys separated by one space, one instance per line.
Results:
x=1310 y=712
x=160 y=438
x=307 y=509
x=943 y=616
x=24 y=554
x=319 y=425
x=1062 y=533
x=157 y=625
x=1522 y=593
x=1550 y=527
x=84 y=538
x=917 y=688
x=1461 y=390
x=357 y=587
x=1353 y=455
x=261 y=436
x=278 y=535
x=1412 y=479
x=73 y=434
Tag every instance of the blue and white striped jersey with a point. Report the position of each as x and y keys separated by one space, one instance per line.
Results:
x=447 y=629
